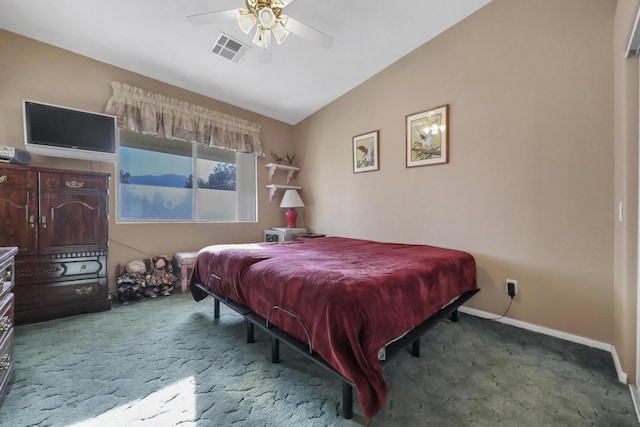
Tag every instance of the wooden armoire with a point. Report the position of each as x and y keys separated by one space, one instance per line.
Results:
x=58 y=219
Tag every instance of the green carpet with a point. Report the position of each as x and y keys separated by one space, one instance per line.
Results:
x=167 y=362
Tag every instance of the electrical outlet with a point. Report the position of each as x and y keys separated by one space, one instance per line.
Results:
x=512 y=287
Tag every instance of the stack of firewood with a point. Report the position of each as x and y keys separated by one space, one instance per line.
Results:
x=150 y=277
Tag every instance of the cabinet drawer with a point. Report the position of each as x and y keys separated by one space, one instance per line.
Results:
x=6 y=359
x=51 y=270
x=69 y=182
x=6 y=278
x=15 y=177
x=53 y=294
x=6 y=314
x=6 y=336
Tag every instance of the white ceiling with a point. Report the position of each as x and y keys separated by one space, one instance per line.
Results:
x=154 y=38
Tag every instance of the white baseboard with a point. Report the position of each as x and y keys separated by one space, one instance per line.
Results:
x=622 y=376
x=635 y=396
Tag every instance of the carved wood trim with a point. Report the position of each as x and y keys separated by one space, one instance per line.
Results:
x=38 y=270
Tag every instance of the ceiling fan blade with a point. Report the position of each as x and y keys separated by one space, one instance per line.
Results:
x=309 y=33
x=212 y=17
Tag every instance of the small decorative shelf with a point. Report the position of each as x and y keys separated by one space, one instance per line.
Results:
x=273 y=167
x=274 y=187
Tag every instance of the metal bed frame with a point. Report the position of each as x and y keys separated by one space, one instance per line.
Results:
x=411 y=338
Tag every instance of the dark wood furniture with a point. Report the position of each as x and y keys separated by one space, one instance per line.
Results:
x=58 y=219
x=7 y=365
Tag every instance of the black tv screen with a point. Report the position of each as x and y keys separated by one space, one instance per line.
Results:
x=52 y=130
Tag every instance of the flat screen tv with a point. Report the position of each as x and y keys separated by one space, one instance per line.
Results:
x=51 y=130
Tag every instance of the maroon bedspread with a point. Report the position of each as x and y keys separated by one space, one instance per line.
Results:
x=354 y=296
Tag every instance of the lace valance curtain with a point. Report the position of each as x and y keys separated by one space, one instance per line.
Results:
x=151 y=113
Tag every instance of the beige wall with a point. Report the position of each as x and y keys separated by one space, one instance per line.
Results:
x=40 y=72
x=537 y=100
x=529 y=187
x=626 y=188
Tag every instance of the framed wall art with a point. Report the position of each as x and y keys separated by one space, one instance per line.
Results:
x=366 y=156
x=427 y=137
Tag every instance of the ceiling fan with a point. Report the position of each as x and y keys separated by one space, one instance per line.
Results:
x=267 y=17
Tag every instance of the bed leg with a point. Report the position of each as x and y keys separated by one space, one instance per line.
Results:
x=347 y=400
x=250 y=338
x=216 y=308
x=415 y=348
x=275 y=350
x=454 y=315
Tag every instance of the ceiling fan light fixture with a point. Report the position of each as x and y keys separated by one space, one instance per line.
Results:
x=246 y=20
x=266 y=16
x=262 y=37
x=279 y=32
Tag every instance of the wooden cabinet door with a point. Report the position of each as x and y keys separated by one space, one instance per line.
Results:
x=18 y=210
x=73 y=213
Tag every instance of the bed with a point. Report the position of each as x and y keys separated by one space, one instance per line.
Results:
x=347 y=304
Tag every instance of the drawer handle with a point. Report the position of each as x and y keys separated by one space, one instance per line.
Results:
x=43 y=221
x=32 y=221
x=5 y=323
x=5 y=362
x=74 y=184
x=84 y=291
x=4 y=178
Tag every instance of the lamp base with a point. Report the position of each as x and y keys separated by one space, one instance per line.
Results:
x=291 y=216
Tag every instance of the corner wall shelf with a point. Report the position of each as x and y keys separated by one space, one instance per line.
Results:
x=273 y=187
x=273 y=167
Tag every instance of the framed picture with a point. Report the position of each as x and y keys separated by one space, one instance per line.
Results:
x=427 y=137
x=365 y=152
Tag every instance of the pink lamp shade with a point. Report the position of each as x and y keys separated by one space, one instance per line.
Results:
x=291 y=200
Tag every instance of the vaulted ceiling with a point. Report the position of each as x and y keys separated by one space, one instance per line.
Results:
x=287 y=82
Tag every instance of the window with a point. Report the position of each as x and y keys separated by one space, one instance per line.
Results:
x=156 y=182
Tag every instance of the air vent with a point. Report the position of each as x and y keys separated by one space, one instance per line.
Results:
x=229 y=48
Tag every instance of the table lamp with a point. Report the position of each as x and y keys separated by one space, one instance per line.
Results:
x=291 y=200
